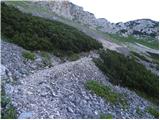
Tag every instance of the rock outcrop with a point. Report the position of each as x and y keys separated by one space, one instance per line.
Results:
x=139 y=28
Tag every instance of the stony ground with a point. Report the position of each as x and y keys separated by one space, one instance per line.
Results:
x=59 y=91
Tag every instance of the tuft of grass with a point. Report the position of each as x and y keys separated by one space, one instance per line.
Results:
x=28 y=55
x=46 y=59
x=104 y=116
x=152 y=111
x=105 y=92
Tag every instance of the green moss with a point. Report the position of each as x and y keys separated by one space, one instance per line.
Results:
x=105 y=92
x=28 y=55
x=153 y=111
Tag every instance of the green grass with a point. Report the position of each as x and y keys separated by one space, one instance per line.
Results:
x=126 y=72
x=149 y=42
x=153 y=112
x=106 y=116
x=28 y=55
x=105 y=92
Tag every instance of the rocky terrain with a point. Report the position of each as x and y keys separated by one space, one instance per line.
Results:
x=139 y=28
x=43 y=85
x=59 y=91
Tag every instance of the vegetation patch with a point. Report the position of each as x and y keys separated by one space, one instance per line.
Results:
x=36 y=33
x=28 y=55
x=155 y=57
x=46 y=59
x=106 y=116
x=125 y=71
x=105 y=92
x=153 y=111
x=149 y=42
x=7 y=109
x=140 y=56
x=73 y=56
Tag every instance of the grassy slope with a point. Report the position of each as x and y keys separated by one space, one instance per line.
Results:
x=150 y=42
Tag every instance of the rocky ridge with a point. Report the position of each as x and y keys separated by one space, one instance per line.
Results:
x=139 y=28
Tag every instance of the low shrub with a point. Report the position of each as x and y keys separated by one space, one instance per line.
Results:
x=36 y=33
x=105 y=92
x=125 y=71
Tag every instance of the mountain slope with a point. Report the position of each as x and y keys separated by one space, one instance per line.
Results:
x=36 y=33
x=42 y=82
x=139 y=28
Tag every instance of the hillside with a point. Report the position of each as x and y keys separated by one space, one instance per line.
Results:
x=60 y=62
x=35 y=33
x=140 y=28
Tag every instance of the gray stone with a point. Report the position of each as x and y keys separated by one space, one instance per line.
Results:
x=25 y=115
